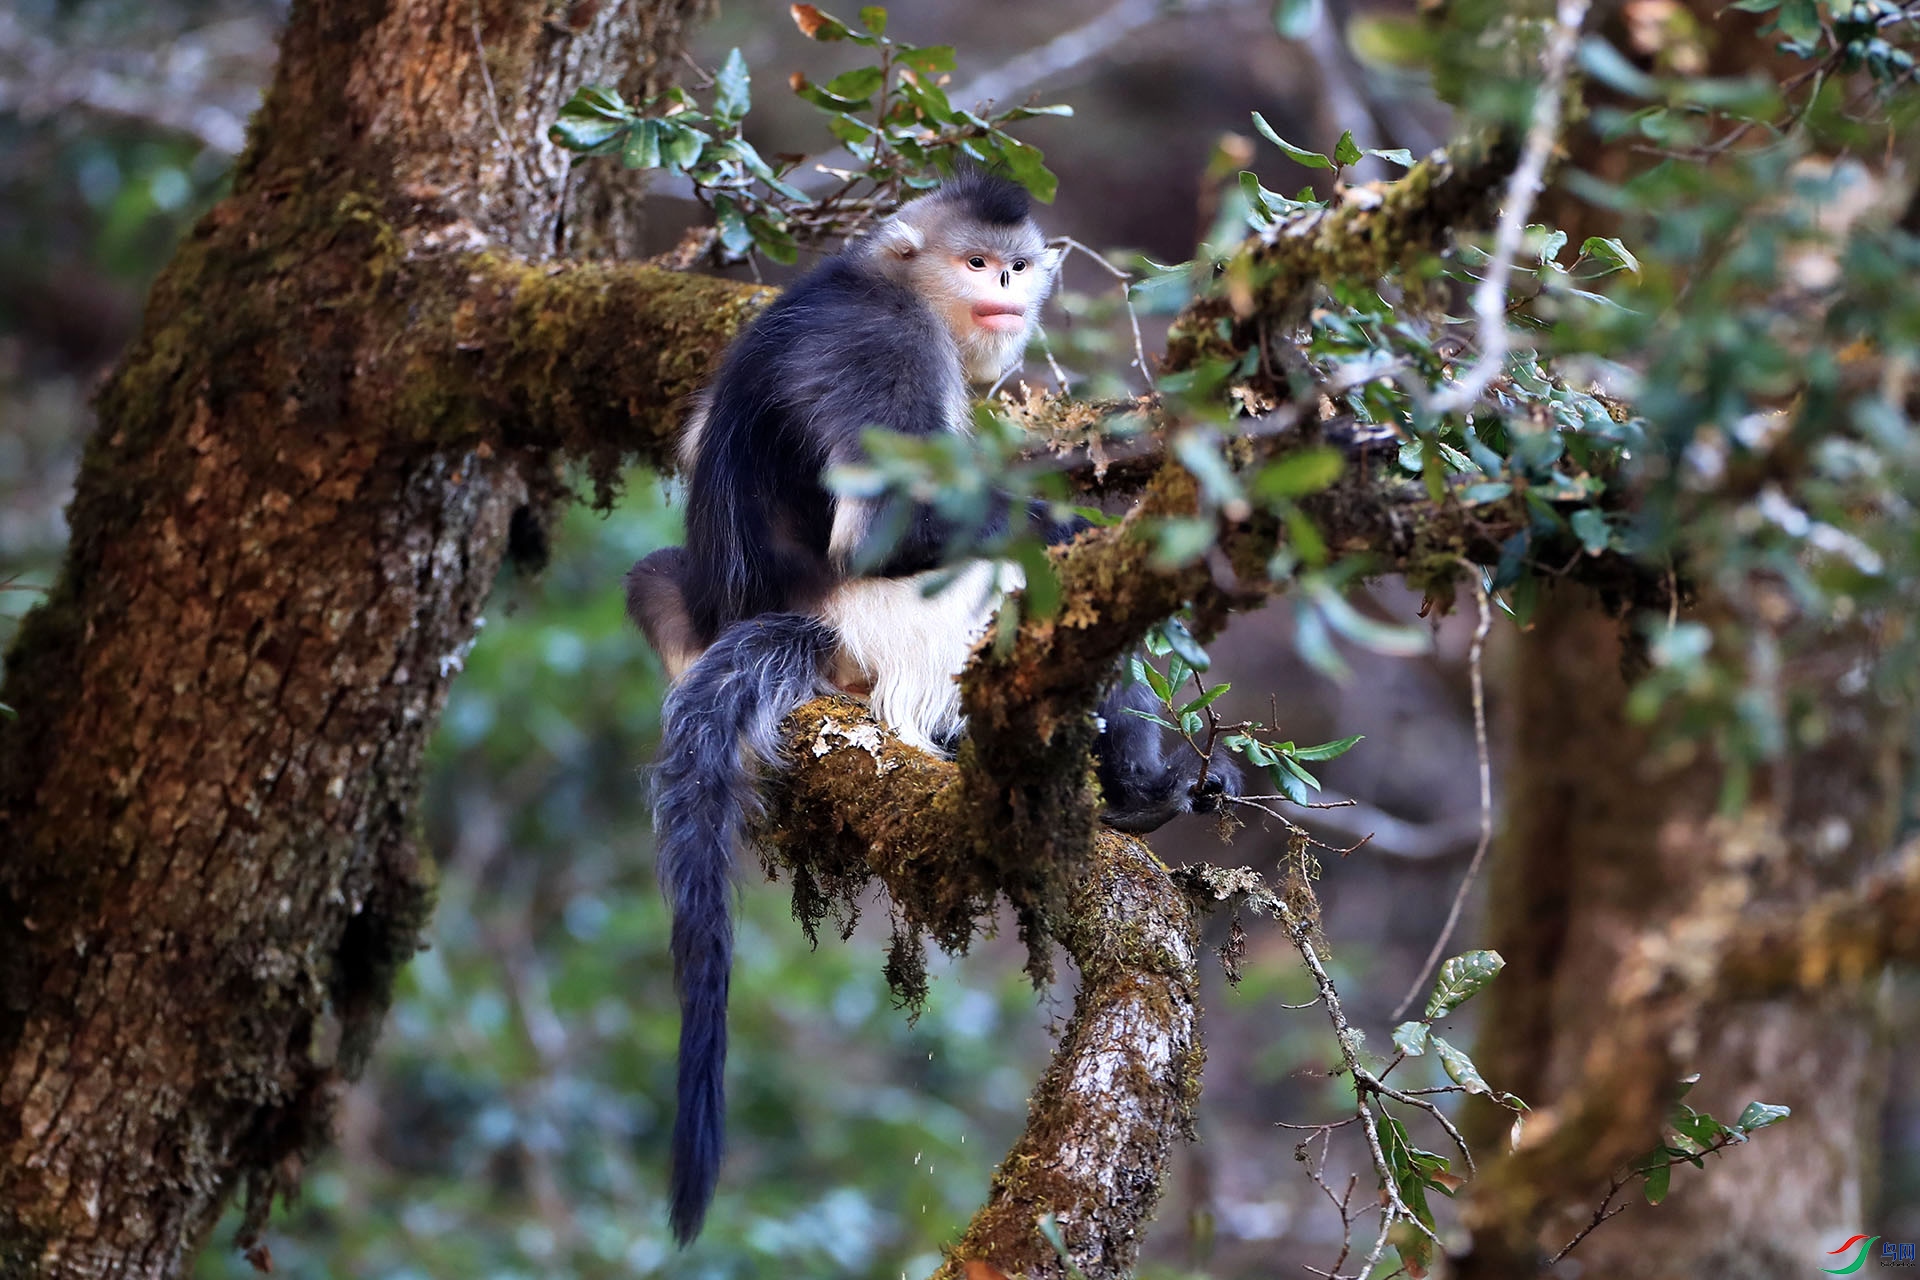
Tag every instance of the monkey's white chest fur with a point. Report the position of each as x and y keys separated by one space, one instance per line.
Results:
x=908 y=647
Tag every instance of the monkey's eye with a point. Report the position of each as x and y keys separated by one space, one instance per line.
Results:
x=977 y=262
x=1019 y=264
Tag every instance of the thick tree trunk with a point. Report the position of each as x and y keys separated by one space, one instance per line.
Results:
x=208 y=872
x=1615 y=892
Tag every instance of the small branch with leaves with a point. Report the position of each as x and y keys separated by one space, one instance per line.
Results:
x=1406 y=1172
x=892 y=117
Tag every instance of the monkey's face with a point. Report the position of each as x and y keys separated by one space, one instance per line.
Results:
x=988 y=284
x=986 y=281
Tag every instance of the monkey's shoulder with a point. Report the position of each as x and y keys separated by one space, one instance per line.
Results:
x=842 y=301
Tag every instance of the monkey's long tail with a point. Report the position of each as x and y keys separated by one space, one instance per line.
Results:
x=724 y=713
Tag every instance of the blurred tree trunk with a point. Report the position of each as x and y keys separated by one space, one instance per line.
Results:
x=1612 y=892
x=208 y=866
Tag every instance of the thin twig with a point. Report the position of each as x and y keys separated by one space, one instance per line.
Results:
x=1126 y=296
x=493 y=107
x=1059 y=375
x=1477 y=674
x=1543 y=130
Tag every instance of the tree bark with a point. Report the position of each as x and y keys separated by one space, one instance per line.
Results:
x=1634 y=917
x=278 y=556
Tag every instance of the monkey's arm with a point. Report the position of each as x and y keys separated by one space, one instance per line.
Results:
x=656 y=601
x=1143 y=788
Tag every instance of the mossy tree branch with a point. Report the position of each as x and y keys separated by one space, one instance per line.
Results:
x=1126 y=1073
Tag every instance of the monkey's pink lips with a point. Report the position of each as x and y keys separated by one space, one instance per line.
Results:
x=1002 y=317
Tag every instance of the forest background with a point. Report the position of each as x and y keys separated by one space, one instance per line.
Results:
x=513 y=1119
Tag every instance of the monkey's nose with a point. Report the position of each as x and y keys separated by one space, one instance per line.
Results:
x=1006 y=279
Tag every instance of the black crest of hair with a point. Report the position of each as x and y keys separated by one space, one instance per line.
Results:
x=988 y=197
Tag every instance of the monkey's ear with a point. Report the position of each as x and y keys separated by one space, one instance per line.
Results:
x=1051 y=258
x=898 y=238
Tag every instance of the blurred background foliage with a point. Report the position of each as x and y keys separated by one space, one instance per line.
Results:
x=514 y=1120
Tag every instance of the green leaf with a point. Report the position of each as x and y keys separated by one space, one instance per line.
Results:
x=1181 y=641
x=1165 y=291
x=1799 y=21
x=1259 y=752
x=1327 y=750
x=928 y=99
x=1479 y=494
x=762 y=170
x=681 y=145
x=1043 y=584
x=1191 y=723
x=643 y=146
x=934 y=58
x=1697 y=1127
x=591 y=135
x=1299 y=155
x=1287 y=763
x=1369 y=633
x=858 y=84
x=1658 y=1180
x=735 y=235
x=1393 y=155
x=1304 y=537
x=1180 y=540
x=1199 y=453
x=592 y=121
x=1758 y=1115
x=1414 y=1246
x=774 y=240
x=1257 y=195
x=1610 y=252
x=1460 y=1068
x=1296 y=19
x=1346 y=151
x=1299 y=474
x=1411 y=1038
x=1461 y=978
x=1205 y=700
x=600 y=99
x=827 y=100
x=1287 y=784
x=1590 y=526
x=1028 y=113
x=732 y=93
x=1025 y=166
x=1162 y=721
x=1157 y=682
x=1608 y=65
x=874 y=19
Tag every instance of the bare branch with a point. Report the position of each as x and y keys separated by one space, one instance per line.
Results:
x=1523 y=188
x=1485 y=759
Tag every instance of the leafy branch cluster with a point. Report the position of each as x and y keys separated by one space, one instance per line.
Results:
x=892 y=116
x=1691 y=1137
x=1405 y=1172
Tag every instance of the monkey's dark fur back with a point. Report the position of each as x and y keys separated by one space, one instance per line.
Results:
x=842 y=350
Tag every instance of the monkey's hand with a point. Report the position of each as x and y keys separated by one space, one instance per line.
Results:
x=1219 y=777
